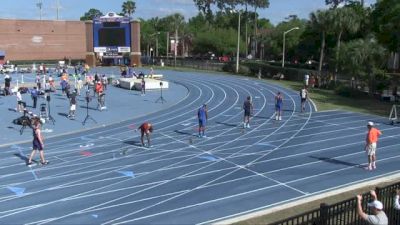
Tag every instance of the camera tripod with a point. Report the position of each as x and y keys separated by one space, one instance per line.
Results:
x=49 y=117
x=25 y=122
x=87 y=112
x=161 y=98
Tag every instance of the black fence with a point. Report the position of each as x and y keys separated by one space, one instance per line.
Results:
x=345 y=212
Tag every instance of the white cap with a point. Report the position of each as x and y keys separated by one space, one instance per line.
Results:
x=376 y=204
x=370 y=123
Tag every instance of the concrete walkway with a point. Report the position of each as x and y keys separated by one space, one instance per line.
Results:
x=121 y=105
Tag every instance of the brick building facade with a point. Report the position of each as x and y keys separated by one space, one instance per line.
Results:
x=55 y=40
x=42 y=40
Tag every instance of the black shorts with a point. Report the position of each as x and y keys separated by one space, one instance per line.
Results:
x=36 y=145
x=247 y=113
x=303 y=100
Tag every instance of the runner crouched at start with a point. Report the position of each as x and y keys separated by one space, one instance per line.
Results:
x=146 y=128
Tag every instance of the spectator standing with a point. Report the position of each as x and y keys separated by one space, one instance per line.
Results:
x=7 y=84
x=41 y=68
x=51 y=82
x=248 y=109
x=312 y=81
x=38 y=83
x=63 y=85
x=98 y=88
x=34 y=95
x=306 y=79
x=371 y=144
x=72 y=101
x=396 y=204
x=378 y=216
x=202 y=115
x=20 y=104
x=79 y=85
x=143 y=87
x=104 y=81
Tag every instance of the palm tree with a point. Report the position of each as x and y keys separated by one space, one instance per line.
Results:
x=128 y=7
x=364 y=58
x=262 y=4
x=346 y=19
x=177 y=22
x=320 y=21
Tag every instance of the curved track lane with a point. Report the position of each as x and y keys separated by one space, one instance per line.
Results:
x=105 y=177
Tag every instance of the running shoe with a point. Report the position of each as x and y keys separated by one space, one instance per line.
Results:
x=29 y=164
x=45 y=162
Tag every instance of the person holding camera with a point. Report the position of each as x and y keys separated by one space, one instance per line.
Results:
x=37 y=143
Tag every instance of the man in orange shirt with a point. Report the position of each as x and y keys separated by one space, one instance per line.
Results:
x=370 y=145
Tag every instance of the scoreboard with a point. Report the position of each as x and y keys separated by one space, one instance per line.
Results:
x=112 y=35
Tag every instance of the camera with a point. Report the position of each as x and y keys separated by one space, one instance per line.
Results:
x=26 y=120
x=88 y=98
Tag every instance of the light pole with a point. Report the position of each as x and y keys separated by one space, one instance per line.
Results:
x=238 y=42
x=283 y=48
x=156 y=33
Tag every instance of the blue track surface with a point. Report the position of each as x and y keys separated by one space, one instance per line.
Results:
x=103 y=176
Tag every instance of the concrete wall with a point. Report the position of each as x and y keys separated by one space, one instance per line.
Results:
x=42 y=40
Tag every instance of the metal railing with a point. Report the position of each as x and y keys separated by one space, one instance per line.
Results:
x=345 y=212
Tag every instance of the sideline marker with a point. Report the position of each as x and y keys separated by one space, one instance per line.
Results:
x=17 y=190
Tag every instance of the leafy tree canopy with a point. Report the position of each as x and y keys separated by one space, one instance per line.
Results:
x=386 y=23
x=91 y=14
x=128 y=7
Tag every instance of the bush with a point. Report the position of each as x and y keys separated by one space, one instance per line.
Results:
x=343 y=91
x=348 y=92
x=231 y=68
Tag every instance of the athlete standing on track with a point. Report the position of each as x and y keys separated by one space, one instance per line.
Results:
x=303 y=96
x=278 y=106
x=248 y=109
x=202 y=115
x=37 y=142
x=146 y=128
x=370 y=145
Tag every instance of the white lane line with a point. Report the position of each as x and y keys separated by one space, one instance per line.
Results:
x=113 y=220
x=119 y=182
x=232 y=105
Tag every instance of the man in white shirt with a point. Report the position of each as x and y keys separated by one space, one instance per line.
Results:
x=306 y=79
x=20 y=107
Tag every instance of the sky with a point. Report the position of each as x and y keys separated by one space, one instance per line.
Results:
x=74 y=9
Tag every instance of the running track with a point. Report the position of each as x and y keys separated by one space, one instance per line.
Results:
x=105 y=177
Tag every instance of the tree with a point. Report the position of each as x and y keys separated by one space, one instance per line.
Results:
x=321 y=21
x=364 y=59
x=219 y=41
x=386 y=23
x=346 y=19
x=128 y=7
x=91 y=14
x=262 y=4
x=206 y=5
x=334 y=3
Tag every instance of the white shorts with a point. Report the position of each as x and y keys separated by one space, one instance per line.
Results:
x=371 y=149
x=73 y=107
